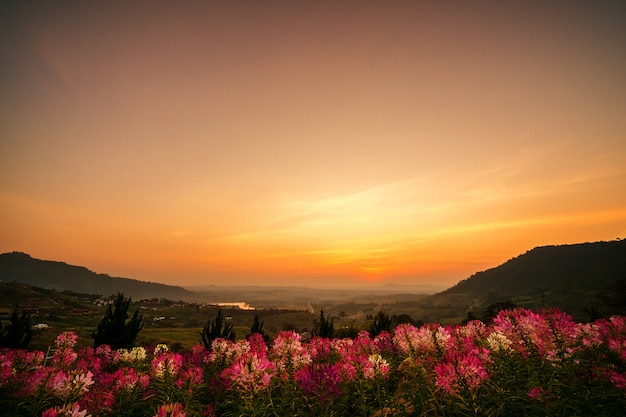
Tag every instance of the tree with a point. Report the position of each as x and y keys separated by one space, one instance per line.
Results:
x=398 y=319
x=257 y=327
x=113 y=330
x=217 y=329
x=614 y=298
x=495 y=308
x=17 y=333
x=381 y=323
x=326 y=327
x=470 y=317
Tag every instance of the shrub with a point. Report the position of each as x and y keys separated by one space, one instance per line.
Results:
x=217 y=329
x=16 y=334
x=381 y=323
x=113 y=330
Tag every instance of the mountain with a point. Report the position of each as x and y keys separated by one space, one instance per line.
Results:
x=565 y=276
x=22 y=268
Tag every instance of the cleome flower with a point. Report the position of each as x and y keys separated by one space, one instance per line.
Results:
x=497 y=341
x=167 y=364
x=63 y=384
x=170 y=410
x=135 y=355
x=375 y=366
x=68 y=410
x=250 y=372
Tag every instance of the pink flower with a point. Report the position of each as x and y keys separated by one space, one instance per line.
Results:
x=461 y=370
x=287 y=343
x=320 y=380
x=257 y=344
x=250 y=373
x=6 y=366
x=170 y=410
x=384 y=342
x=289 y=352
x=68 y=410
x=374 y=366
x=319 y=348
x=536 y=392
x=616 y=378
x=190 y=377
x=59 y=384
x=63 y=384
x=407 y=338
x=168 y=363
x=66 y=340
x=50 y=412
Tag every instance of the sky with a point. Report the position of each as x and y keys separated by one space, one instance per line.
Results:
x=326 y=143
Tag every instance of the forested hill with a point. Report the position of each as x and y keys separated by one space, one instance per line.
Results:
x=22 y=268
x=566 y=276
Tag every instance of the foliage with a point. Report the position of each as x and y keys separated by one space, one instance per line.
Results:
x=218 y=328
x=524 y=364
x=382 y=322
x=17 y=333
x=613 y=299
x=114 y=330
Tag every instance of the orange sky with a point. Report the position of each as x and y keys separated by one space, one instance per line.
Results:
x=309 y=143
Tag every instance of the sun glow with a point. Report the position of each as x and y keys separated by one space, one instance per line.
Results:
x=402 y=143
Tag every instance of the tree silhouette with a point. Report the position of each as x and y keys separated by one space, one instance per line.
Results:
x=382 y=322
x=217 y=329
x=326 y=327
x=470 y=317
x=257 y=327
x=17 y=333
x=113 y=330
x=493 y=310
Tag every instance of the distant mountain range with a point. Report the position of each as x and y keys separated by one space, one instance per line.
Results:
x=22 y=268
x=565 y=276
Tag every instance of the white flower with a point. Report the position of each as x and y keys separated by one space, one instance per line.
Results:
x=498 y=341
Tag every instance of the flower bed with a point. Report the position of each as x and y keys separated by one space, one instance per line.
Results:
x=524 y=364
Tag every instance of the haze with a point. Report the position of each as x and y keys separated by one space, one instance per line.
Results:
x=309 y=143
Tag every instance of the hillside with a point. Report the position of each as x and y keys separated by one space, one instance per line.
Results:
x=22 y=268
x=565 y=276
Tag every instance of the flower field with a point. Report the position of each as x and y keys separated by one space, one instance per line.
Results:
x=523 y=364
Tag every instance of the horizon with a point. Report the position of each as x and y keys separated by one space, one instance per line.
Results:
x=417 y=288
x=350 y=144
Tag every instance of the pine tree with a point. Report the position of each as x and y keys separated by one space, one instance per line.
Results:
x=217 y=329
x=326 y=327
x=381 y=323
x=257 y=327
x=18 y=332
x=113 y=330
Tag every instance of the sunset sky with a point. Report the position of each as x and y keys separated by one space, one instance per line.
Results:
x=319 y=143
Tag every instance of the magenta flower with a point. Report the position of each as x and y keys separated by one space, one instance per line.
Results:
x=168 y=363
x=319 y=349
x=320 y=381
x=464 y=371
